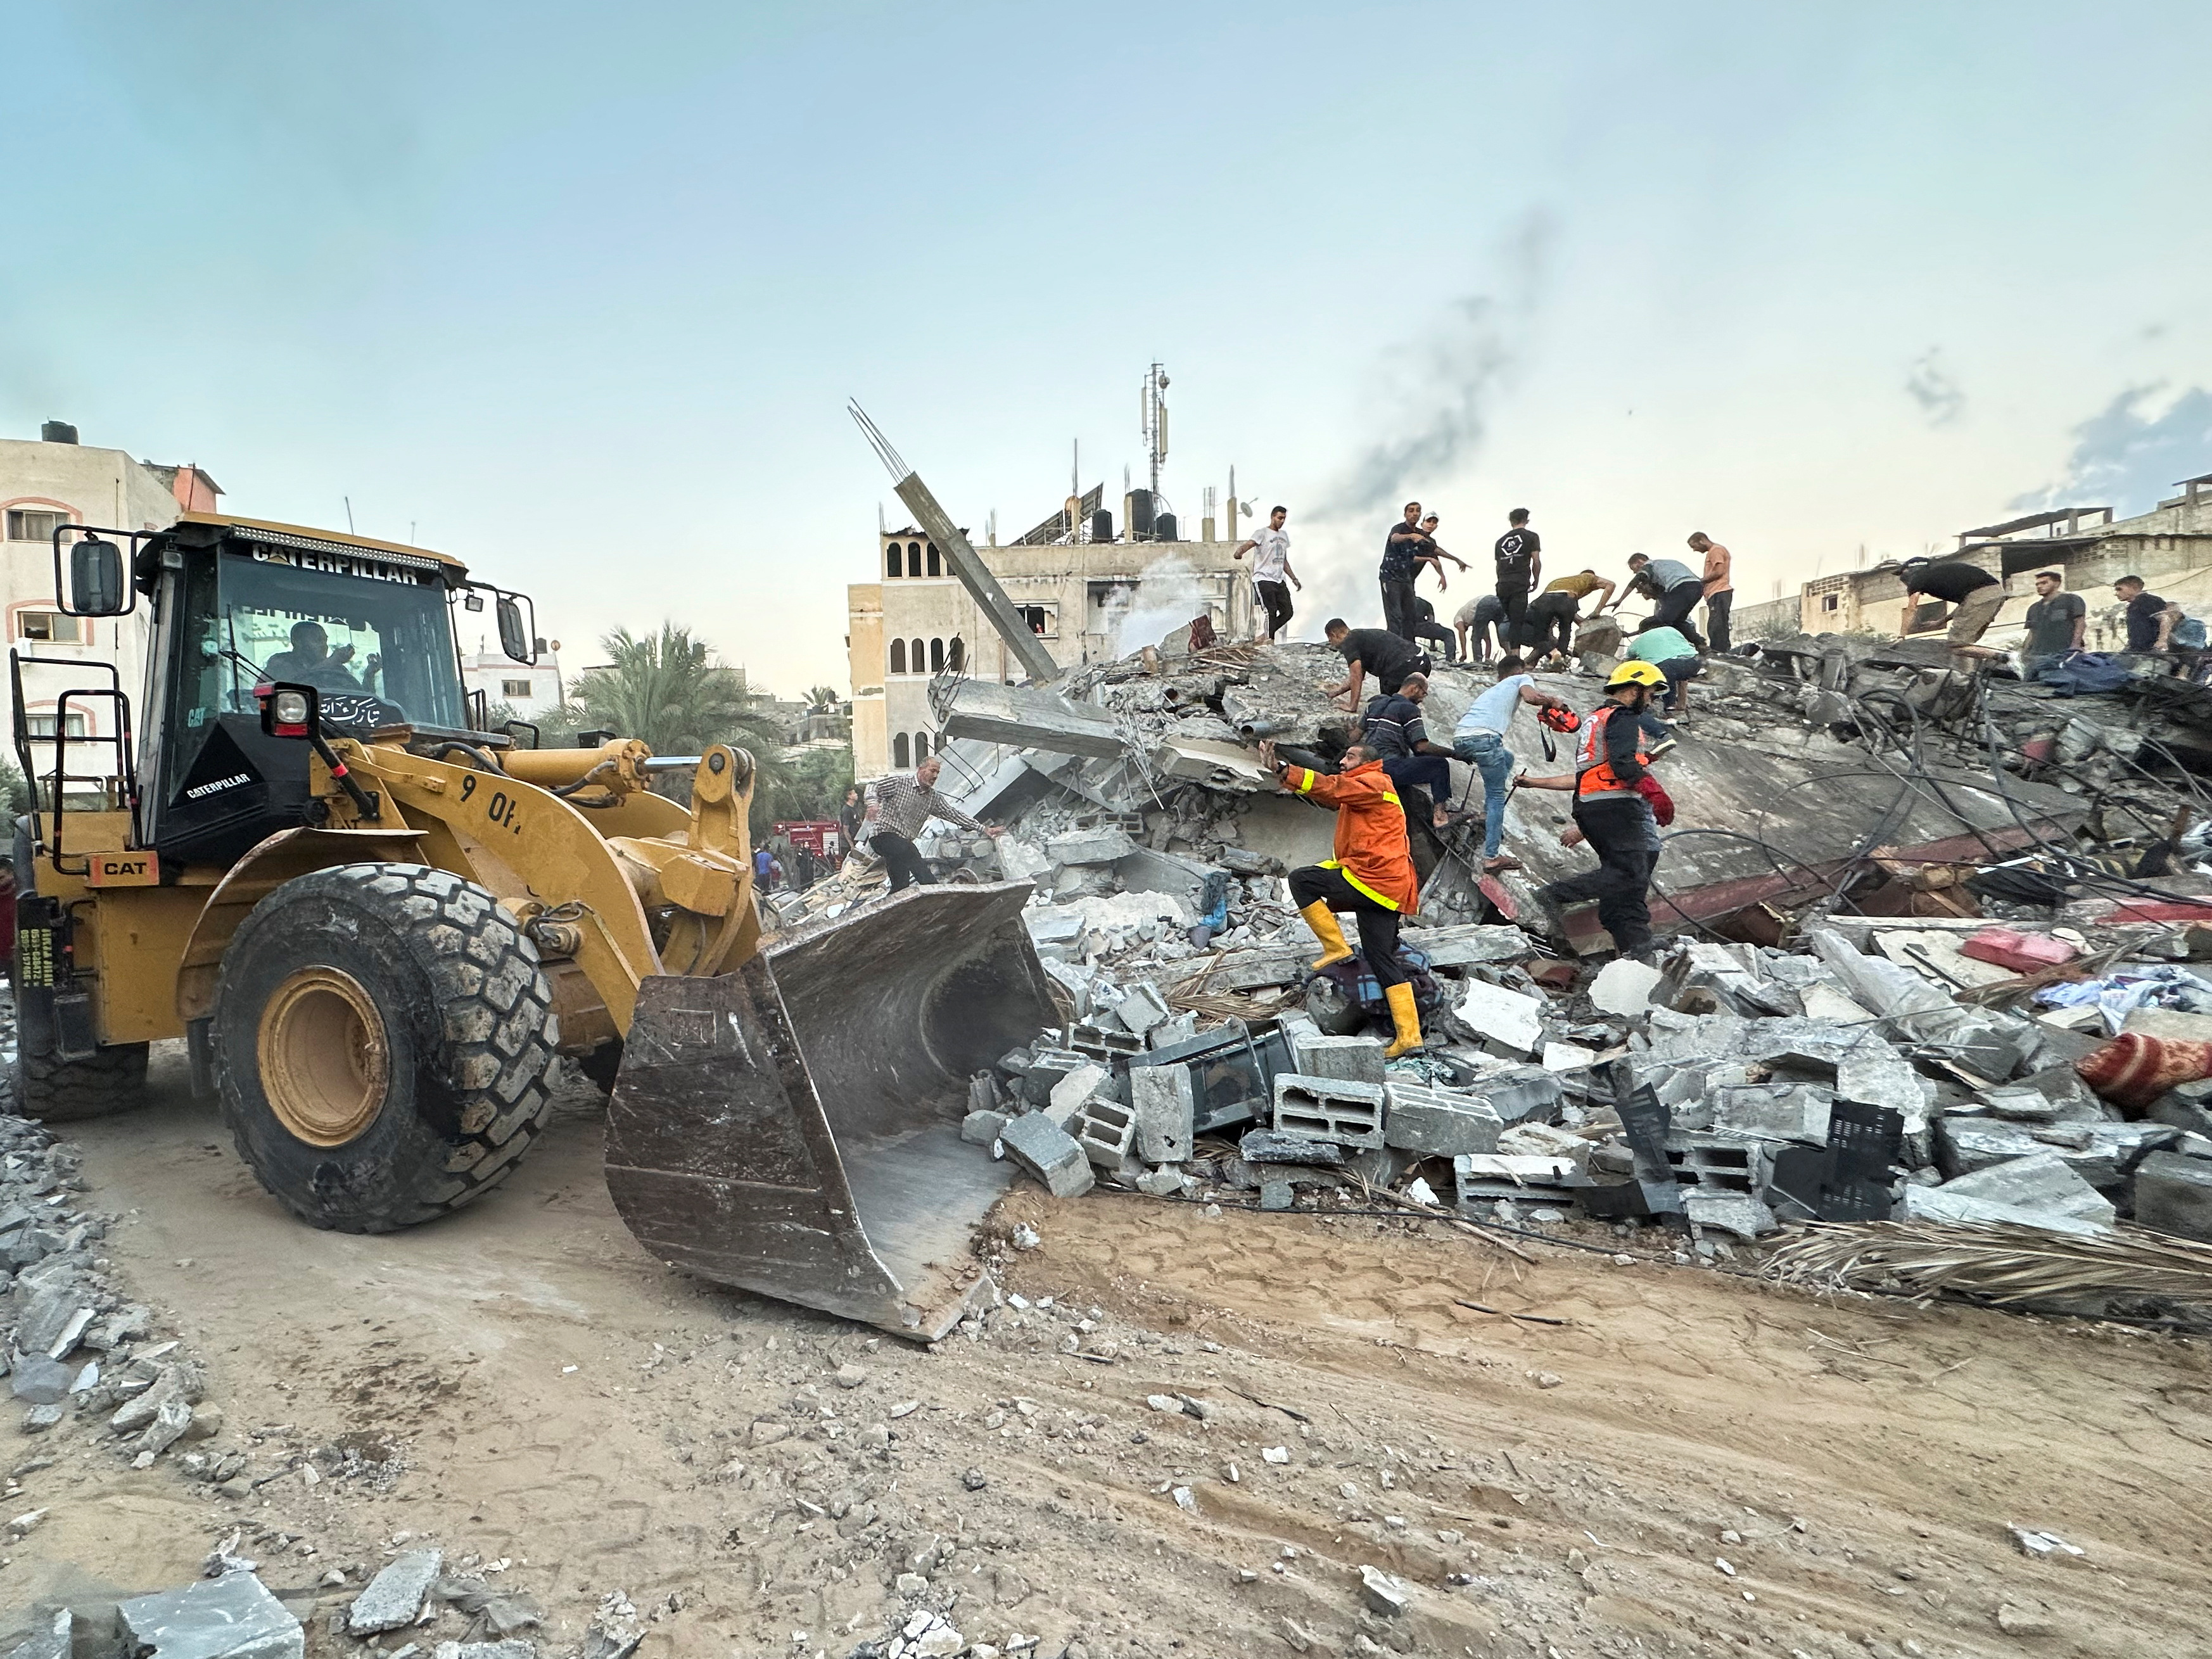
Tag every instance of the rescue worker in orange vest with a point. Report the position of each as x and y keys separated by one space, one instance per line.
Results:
x=1615 y=795
x=1371 y=876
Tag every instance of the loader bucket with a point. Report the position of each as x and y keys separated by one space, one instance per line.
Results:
x=793 y=1127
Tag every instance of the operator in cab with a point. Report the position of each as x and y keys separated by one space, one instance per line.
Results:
x=312 y=662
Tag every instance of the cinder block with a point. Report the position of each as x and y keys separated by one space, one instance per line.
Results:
x=1072 y=1090
x=1346 y=1059
x=1049 y=1152
x=1106 y=1130
x=1437 y=1123
x=1164 y=1101
x=1727 y=1165
x=1142 y=1006
x=1325 y=1108
x=1097 y=1042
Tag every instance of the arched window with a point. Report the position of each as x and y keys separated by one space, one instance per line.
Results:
x=898 y=656
x=916 y=655
x=936 y=656
x=935 y=569
x=920 y=747
x=898 y=752
x=914 y=558
x=955 y=655
x=891 y=566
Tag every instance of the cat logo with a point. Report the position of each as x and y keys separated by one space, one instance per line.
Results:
x=124 y=870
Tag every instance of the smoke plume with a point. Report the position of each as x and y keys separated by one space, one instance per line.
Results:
x=1934 y=390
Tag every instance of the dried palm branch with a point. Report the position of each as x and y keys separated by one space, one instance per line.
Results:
x=2005 y=1263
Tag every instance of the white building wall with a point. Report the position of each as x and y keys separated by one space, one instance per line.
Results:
x=90 y=486
x=533 y=692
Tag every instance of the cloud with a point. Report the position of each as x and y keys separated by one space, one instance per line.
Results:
x=1934 y=390
x=2127 y=455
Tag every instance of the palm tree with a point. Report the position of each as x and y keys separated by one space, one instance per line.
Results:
x=676 y=694
x=823 y=697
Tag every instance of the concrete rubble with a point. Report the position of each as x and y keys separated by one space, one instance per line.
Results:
x=1839 y=1029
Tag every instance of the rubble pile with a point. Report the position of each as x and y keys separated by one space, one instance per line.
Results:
x=1837 y=1033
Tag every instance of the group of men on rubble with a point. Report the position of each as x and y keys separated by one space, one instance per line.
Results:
x=2058 y=621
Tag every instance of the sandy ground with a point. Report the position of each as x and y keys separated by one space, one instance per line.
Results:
x=522 y=1384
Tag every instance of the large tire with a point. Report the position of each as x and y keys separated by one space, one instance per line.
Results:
x=382 y=1040
x=114 y=1079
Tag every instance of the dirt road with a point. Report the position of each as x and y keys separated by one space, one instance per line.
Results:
x=521 y=1384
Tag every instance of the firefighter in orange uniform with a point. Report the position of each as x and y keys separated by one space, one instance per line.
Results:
x=1371 y=875
x=1619 y=807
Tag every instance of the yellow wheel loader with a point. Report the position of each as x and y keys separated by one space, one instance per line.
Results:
x=376 y=925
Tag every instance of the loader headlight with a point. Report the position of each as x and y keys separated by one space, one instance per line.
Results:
x=289 y=709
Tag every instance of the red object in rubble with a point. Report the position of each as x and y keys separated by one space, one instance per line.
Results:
x=2024 y=953
x=2159 y=910
x=2133 y=1070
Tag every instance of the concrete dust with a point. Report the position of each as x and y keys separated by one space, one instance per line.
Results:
x=530 y=1388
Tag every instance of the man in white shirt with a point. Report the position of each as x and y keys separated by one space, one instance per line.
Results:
x=1271 y=565
x=1479 y=740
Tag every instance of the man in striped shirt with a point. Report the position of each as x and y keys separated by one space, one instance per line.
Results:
x=898 y=805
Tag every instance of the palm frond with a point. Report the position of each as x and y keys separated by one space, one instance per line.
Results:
x=2001 y=1262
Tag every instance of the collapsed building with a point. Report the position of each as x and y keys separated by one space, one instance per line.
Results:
x=1932 y=930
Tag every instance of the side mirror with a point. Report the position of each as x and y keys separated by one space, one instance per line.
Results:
x=514 y=636
x=290 y=711
x=96 y=584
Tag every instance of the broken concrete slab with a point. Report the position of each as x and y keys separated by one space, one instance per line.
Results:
x=1049 y=1153
x=2102 y=1154
x=231 y=1617
x=1747 y=1217
x=1774 y=1111
x=980 y=1128
x=1097 y=845
x=2042 y=1181
x=394 y=1596
x=1963 y=1209
x=1072 y=1090
x=1517 y=1092
x=1508 y=1022
x=1624 y=986
x=1470 y=946
x=1267 y=1147
x=2173 y=1194
x=1142 y=1007
x=1026 y=718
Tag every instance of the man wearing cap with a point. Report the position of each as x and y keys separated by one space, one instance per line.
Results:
x=1615 y=795
x=1370 y=874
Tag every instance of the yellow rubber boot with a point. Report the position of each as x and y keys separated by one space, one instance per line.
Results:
x=1406 y=1017
x=1322 y=920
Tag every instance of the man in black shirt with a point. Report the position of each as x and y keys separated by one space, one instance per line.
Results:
x=1375 y=651
x=2057 y=622
x=2150 y=619
x=1403 y=549
x=1426 y=627
x=1976 y=595
x=1393 y=730
x=1520 y=555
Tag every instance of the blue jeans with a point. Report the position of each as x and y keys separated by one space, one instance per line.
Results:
x=1485 y=751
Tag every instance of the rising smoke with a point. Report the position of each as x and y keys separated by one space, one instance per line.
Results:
x=1171 y=595
x=1930 y=385
x=1439 y=390
x=2129 y=454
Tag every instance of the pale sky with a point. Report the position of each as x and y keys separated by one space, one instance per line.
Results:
x=577 y=293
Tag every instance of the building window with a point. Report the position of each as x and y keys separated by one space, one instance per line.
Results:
x=891 y=561
x=514 y=688
x=935 y=568
x=899 y=752
x=42 y=725
x=920 y=747
x=898 y=656
x=49 y=627
x=1830 y=602
x=915 y=656
x=914 y=558
x=1043 y=619
x=955 y=655
x=31 y=526
x=936 y=656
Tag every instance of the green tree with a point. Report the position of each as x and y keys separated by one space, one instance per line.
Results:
x=674 y=693
x=822 y=696
x=812 y=788
x=15 y=793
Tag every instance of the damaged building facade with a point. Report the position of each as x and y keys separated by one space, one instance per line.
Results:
x=1087 y=601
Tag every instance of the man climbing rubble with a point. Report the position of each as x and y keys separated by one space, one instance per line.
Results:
x=1618 y=806
x=1393 y=730
x=1376 y=651
x=1371 y=876
x=1479 y=740
x=898 y=805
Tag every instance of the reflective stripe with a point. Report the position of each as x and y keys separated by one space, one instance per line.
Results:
x=1357 y=885
x=1393 y=800
x=1306 y=786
